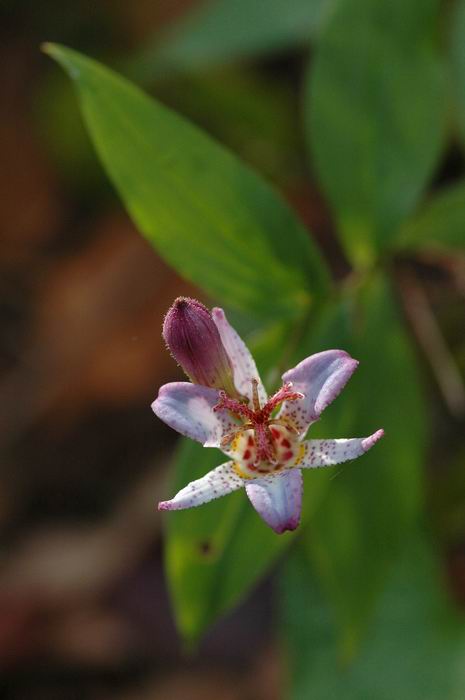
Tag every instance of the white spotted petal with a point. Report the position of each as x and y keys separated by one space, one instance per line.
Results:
x=327 y=453
x=219 y=482
x=320 y=378
x=278 y=499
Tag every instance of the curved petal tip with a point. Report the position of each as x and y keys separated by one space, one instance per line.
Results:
x=372 y=439
x=335 y=383
x=286 y=527
x=278 y=500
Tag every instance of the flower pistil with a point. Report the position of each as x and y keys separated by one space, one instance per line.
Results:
x=262 y=443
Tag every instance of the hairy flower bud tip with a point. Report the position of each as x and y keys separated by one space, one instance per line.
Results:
x=194 y=341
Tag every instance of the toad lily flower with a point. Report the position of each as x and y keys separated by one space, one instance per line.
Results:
x=263 y=438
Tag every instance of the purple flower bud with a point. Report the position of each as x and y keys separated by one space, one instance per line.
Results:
x=194 y=341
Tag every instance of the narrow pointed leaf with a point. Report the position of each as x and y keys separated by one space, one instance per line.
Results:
x=214 y=554
x=217 y=553
x=375 y=116
x=208 y=567
x=207 y=214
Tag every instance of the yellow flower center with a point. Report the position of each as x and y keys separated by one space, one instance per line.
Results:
x=288 y=451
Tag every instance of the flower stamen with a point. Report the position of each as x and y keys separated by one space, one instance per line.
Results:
x=255 y=398
x=238 y=408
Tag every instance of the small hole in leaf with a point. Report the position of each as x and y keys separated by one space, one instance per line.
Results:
x=205 y=548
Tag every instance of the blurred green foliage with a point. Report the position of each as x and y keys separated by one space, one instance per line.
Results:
x=456 y=55
x=376 y=500
x=223 y=31
x=376 y=117
x=376 y=106
x=415 y=648
x=439 y=223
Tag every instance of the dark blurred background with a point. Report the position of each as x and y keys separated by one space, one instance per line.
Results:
x=84 y=611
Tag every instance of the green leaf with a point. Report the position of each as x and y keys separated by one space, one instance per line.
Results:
x=208 y=215
x=216 y=553
x=224 y=31
x=375 y=116
x=247 y=110
x=439 y=224
x=415 y=649
x=372 y=503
